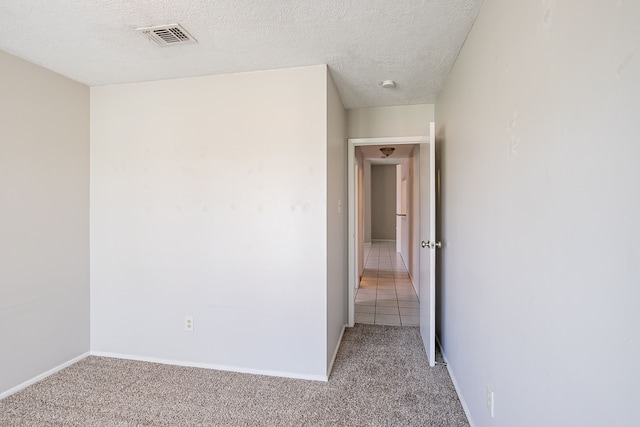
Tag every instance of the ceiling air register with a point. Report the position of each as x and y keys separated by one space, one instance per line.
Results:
x=167 y=35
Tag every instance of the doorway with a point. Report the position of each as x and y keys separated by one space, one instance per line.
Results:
x=369 y=149
x=425 y=232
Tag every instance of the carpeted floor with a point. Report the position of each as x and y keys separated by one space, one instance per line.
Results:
x=380 y=378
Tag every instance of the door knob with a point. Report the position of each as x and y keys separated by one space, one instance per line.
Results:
x=431 y=245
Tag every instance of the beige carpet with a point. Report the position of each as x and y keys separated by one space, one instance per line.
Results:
x=380 y=378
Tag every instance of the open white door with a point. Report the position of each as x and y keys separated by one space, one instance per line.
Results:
x=428 y=245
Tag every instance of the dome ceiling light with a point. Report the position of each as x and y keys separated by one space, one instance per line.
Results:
x=387 y=151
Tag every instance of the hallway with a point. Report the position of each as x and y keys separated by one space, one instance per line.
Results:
x=386 y=295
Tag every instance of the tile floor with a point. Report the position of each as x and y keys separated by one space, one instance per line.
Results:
x=386 y=295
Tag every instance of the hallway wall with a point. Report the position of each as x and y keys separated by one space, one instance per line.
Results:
x=538 y=132
x=399 y=120
x=383 y=202
x=410 y=248
x=366 y=172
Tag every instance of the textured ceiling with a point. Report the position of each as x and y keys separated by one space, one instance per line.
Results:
x=364 y=41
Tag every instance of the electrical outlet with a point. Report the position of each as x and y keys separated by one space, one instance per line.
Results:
x=490 y=400
x=188 y=323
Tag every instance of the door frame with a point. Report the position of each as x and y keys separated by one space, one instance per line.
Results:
x=354 y=274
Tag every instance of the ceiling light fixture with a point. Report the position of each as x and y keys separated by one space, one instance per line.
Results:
x=387 y=151
x=388 y=84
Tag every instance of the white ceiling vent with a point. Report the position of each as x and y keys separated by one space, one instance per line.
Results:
x=168 y=35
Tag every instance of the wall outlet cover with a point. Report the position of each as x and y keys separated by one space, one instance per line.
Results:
x=188 y=323
x=490 y=400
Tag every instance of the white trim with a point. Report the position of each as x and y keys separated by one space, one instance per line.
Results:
x=335 y=353
x=389 y=140
x=42 y=376
x=465 y=407
x=217 y=367
x=354 y=274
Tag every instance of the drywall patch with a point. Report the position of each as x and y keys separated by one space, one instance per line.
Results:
x=514 y=138
x=548 y=7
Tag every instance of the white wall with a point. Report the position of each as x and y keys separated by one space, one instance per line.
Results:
x=400 y=120
x=383 y=202
x=337 y=205
x=44 y=220
x=538 y=131
x=209 y=198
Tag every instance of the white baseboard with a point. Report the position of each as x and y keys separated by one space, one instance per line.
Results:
x=217 y=367
x=42 y=376
x=335 y=353
x=465 y=407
